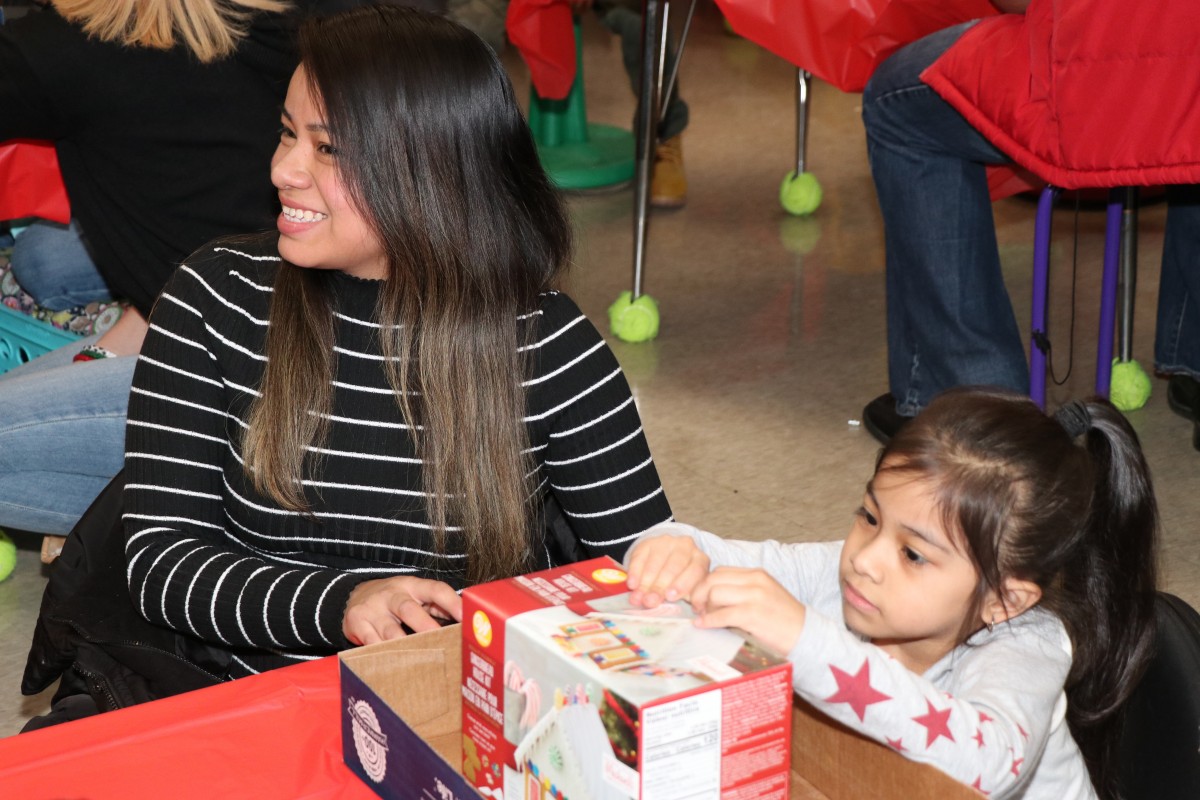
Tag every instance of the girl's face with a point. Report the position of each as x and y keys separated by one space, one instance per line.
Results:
x=904 y=584
x=319 y=226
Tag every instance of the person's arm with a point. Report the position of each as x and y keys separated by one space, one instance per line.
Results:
x=185 y=570
x=660 y=563
x=596 y=461
x=125 y=337
x=989 y=727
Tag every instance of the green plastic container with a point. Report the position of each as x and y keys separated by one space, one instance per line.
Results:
x=23 y=338
x=575 y=153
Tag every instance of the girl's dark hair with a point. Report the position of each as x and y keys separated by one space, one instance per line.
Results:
x=1065 y=502
x=438 y=159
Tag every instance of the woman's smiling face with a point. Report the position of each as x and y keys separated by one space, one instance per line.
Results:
x=320 y=227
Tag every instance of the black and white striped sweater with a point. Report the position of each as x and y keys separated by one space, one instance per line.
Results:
x=210 y=556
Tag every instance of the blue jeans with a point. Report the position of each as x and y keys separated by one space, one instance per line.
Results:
x=52 y=264
x=62 y=436
x=1177 y=331
x=949 y=318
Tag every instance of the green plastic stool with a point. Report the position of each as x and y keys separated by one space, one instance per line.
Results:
x=574 y=153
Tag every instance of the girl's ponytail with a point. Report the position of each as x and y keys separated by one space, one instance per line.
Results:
x=1106 y=594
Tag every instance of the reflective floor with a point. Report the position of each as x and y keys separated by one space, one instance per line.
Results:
x=772 y=333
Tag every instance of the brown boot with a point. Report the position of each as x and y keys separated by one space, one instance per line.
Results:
x=668 y=184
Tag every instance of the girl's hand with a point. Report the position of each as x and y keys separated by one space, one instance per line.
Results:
x=664 y=568
x=377 y=609
x=752 y=600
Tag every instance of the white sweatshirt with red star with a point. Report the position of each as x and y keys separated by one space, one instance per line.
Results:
x=991 y=713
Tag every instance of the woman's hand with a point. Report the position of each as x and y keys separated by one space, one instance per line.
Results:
x=377 y=609
x=752 y=600
x=664 y=568
x=125 y=337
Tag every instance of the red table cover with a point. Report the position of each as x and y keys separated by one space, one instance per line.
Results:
x=276 y=735
x=839 y=41
x=843 y=41
x=30 y=183
x=544 y=33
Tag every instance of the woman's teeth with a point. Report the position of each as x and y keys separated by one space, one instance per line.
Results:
x=303 y=215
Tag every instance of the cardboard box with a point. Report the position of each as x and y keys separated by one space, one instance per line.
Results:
x=572 y=693
x=402 y=734
x=837 y=763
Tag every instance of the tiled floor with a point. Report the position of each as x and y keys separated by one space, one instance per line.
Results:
x=773 y=327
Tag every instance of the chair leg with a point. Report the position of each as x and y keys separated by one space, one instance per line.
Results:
x=1039 y=344
x=1108 y=292
x=1127 y=286
x=648 y=113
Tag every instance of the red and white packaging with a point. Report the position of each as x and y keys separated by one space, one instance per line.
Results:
x=571 y=693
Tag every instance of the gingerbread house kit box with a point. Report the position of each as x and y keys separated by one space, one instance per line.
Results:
x=571 y=693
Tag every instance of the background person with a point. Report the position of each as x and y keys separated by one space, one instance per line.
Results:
x=164 y=116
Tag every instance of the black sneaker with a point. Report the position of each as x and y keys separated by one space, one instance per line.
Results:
x=1183 y=396
x=881 y=418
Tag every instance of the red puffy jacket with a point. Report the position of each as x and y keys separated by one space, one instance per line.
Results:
x=1084 y=93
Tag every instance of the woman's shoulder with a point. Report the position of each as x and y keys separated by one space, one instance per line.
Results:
x=1034 y=637
x=557 y=313
x=230 y=269
x=255 y=255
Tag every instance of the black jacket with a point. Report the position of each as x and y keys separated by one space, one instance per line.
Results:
x=90 y=634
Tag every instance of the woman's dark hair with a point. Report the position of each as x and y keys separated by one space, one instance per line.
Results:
x=438 y=159
x=1066 y=503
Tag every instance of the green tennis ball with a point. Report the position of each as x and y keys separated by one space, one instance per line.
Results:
x=633 y=320
x=1130 y=387
x=800 y=194
x=8 y=556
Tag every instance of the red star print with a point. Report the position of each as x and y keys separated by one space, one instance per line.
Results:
x=936 y=723
x=977 y=787
x=1024 y=735
x=1016 y=767
x=895 y=744
x=856 y=689
x=978 y=737
x=983 y=717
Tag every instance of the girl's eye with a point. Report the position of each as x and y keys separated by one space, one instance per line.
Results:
x=326 y=149
x=866 y=516
x=286 y=133
x=913 y=556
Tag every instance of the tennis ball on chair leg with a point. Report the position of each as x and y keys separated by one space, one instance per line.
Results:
x=633 y=320
x=1130 y=387
x=800 y=194
x=8 y=556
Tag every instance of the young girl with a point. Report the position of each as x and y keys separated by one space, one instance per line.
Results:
x=991 y=608
x=336 y=425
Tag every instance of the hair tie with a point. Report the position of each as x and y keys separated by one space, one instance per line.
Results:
x=1074 y=418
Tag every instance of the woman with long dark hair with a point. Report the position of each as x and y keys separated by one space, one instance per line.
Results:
x=335 y=426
